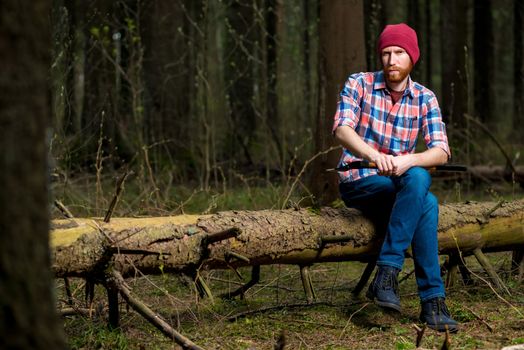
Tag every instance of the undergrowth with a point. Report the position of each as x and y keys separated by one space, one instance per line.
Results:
x=336 y=320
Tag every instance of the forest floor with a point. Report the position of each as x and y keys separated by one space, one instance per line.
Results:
x=276 y=306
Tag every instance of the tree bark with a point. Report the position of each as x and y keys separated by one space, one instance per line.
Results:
x=518 y=69
x=484 y=53
x=339 y=56
x=27 y=307
x=453 y=26
x=181 y=244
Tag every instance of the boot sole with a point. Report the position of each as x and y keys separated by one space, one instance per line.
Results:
x=383 y=304
x=388 y=306
x=442 y=328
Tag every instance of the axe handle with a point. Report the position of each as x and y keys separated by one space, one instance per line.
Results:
x=372 y=165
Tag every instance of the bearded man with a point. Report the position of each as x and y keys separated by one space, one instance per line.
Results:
x=378 y=119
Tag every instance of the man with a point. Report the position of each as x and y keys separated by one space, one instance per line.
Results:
x=378 y=119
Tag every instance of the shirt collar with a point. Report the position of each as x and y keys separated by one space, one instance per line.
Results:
x=380 y=84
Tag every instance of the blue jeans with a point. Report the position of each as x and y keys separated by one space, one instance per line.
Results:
x=410 y=212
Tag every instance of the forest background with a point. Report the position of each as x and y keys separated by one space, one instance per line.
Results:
x=199 y=98
x=206 y=105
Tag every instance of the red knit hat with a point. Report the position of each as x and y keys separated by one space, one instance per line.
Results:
x=400 y=35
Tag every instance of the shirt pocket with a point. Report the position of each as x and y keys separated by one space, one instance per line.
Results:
x=405 y=131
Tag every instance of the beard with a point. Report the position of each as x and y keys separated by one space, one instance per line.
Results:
x=395 y=74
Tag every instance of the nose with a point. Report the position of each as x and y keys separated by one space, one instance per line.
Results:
x=393 y=59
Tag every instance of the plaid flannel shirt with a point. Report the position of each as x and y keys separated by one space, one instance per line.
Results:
x=365 y=105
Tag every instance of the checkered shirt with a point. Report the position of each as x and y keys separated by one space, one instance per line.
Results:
x=365 y=105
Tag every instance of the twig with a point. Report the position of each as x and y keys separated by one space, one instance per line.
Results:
x=420 y=334
x=484 y=280
x=281 y=341
x=492 y=210
x=150 y=315
x=68 y=291
x=406 y=276
x=294 y=320
x=307 y=283
x=306 y=164
x=119 y=189
x=480 y=318
x=63 y=209
x=509 y=162
x=490 y=270
x=222 y=235
x=285 y=306
x=447 y=340
x=72 y=311
x=349 y=319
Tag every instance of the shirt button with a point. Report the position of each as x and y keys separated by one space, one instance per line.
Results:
x=386 y=142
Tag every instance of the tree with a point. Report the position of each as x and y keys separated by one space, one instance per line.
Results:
x=419 y=18
x=453 y=55
x=27 y=307
x=341 y=52
x=483 y=49
x=519 y=67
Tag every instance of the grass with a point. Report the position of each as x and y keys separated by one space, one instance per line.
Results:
x=337 y=321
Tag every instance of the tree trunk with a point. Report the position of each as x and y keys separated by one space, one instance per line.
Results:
x=484 y=52
x=340 y=56
x=27 y=306
x=417 y=15
x=454 y=84
x=518 y=116
x=183 y=243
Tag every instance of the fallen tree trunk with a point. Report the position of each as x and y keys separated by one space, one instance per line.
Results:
x=86 y=247
x=497 y=173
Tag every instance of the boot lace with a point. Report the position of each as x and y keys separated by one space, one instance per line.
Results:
x=390 y=282
x=439 y=307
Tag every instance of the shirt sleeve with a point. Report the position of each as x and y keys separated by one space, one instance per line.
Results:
x=348 y=107
x=433 y=128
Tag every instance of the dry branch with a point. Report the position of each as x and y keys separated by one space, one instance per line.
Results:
x=119 y=284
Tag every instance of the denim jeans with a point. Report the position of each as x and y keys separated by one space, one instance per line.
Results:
x=410 y=212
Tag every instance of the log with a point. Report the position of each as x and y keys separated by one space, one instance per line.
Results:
x=183 y=244
x=494 y=173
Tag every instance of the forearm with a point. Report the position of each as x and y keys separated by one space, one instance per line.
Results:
x=431 y=157
x=350 y=140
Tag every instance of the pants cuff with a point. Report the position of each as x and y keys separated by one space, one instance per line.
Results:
x=387 y=263
x=432 y=295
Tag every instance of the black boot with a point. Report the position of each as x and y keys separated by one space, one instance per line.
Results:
x=436 y=315
x=384 y=288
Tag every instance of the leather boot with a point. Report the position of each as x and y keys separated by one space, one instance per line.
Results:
x=436 y=315
x=383 y=290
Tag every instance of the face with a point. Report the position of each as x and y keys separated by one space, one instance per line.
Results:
x=396 y=64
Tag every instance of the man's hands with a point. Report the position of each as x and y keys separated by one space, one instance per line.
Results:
x=389 y=165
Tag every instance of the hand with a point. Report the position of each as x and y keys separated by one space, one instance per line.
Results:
x=385 y=164
x=403 y=163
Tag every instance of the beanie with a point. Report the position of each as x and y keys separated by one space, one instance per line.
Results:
x=400 y=35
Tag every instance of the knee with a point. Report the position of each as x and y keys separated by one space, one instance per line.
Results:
x=418 y=177
x=431 y=202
